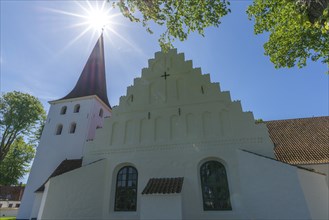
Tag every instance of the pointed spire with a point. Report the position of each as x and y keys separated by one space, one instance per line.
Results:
x=92 y=80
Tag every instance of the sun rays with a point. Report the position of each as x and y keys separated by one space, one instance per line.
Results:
x=91 y=17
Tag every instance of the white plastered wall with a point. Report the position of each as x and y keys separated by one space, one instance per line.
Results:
x=185 y=108
x=161 y=206
x=53 y=149
x=316 y=193
x=275 y=190
x=77 y=194
x=322 y=168
x=167 y=127
x=36 y=204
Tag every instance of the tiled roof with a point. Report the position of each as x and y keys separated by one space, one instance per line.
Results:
x=164 y=185
x=13 y=193
x=301 y=141
x=64 y=167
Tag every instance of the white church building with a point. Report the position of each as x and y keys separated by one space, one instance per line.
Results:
x=176 y=147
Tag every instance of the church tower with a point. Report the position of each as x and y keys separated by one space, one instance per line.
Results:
x=71 y=122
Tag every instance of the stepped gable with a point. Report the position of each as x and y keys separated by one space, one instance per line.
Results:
x=301 y=141
x=174 y=104
x=170 y=85
x=92 y=80
x=170 y=80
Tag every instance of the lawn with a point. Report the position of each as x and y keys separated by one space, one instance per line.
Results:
x=7 y=218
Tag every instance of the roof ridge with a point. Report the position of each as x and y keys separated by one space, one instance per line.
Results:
x=291 y=119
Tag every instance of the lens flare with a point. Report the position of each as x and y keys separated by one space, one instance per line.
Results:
x=98 y=18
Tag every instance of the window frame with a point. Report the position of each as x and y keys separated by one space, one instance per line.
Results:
x=101 y=113
x=76 y=108
x=73 y=128
x=125 y=192
x=63 y=110
x=59 y=129
x=219 y=204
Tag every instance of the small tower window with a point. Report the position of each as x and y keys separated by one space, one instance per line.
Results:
x=100 y=113
x=59 y=129
x=63 y=110
x=76 y=108
x=73 y=127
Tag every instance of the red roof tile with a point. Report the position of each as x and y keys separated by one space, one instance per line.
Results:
x=301 y=141
x=164 y=185
x=13 y=193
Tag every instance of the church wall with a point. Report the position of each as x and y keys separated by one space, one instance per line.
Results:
x=322 y=168
x=96 y=117
x=273 y=190
x=161 y=206
x=171 y=121
x=165 y=127
x=180 y=162
x=77 y=194
x=43 y=200
x=53 y=149
x=314 y=188
x=184 y=108
x=36 y=204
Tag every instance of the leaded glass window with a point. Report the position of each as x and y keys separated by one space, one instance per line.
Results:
x=215 y=190
x=126 y=189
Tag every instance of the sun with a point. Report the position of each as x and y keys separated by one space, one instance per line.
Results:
x=98 y=17
x=92 y=17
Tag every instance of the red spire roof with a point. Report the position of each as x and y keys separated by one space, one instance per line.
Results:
x=92 y=80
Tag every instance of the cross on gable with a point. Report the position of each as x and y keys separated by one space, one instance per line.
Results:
x=165 y=75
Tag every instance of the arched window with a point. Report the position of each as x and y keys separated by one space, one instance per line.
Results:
x=215 y=190
x=76 y=108
x=73 y=127
x=100 y=113
x=59 y=129
x=63 y=110
x=126 y=189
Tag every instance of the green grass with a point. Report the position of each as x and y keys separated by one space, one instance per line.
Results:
x=7 y=218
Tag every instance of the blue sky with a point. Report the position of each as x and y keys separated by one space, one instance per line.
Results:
x=39 y=56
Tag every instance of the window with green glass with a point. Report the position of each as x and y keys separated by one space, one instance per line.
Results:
x=215 y=189
x=126 y=189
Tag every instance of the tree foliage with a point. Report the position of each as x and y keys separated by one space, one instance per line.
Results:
x=16 y=163
x=20 y=115
x=297 y=31
x=180 y=18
